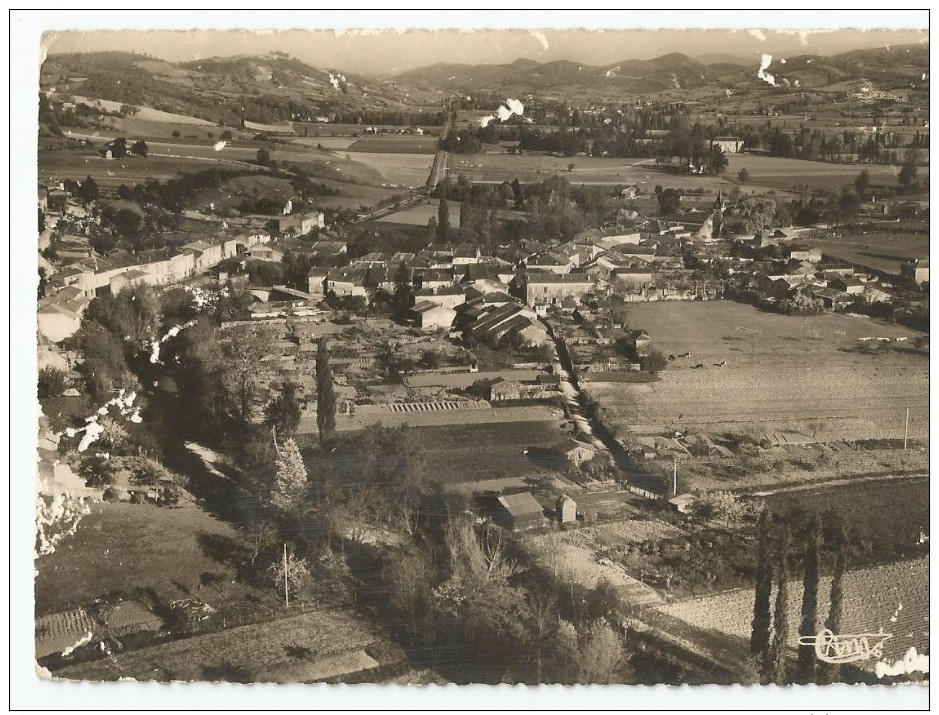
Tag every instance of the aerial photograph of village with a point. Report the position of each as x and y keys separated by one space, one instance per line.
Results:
x=592 y=360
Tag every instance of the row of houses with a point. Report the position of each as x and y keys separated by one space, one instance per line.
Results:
x=59 y=314
x=121 y=269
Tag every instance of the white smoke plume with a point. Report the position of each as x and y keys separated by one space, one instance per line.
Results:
x=765 y=61
x=506 y=111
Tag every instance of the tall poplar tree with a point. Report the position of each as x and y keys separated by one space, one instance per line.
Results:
x=805 y=670
x=325 y=395
x=781 y=611
x=831 y=671
x=443 y=219
x=762 y=617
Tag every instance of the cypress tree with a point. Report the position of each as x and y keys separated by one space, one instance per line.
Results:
x=781 y=612
x=443 y=219
x=805 y=670
x=831 y=671
x=325 y=395
x=762 y=619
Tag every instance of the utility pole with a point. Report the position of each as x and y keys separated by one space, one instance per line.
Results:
x=286 y=591
x=675 y=475
x=906 y=429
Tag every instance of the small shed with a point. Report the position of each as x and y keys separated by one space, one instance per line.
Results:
x=683 y=503
x=566 y=510
x=518 y=512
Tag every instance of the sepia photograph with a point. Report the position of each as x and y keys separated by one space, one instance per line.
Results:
x=459 y=354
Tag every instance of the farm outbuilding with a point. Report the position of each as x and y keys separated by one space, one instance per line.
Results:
x=639 y=342
x=518 y=512
x=429 y=316
x=915 y=271
x=566 y=510
x=573 y=452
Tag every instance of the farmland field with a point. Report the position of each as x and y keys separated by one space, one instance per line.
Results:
x=464 y=453
x=893 y=597
x=57 y=165
x=782 y=173
x=398 y=169
x=198 y=155
x=893 y=514
x=395 y=145
x=146 y=113
x=331 y=143
x=880 y=251
x=421 y=213
x=801 y=375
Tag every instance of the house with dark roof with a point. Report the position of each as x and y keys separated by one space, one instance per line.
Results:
x=548 y=262
x=466 y=253
x=432 y=277
x=448 y=296
x=347 y=281
x=544 y=288
x=518 y=512
x=849 y=285
x=573 y=453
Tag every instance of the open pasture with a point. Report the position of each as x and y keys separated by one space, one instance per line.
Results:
x=146 y=113
x=396 y=144
x=398 y=169
x=781 y=173
x=55 y=166
x=531 y=168
x=800 y=376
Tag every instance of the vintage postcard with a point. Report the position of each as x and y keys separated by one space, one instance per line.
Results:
x=514 y=356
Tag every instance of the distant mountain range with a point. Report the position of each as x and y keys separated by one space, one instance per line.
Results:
x=894 y=66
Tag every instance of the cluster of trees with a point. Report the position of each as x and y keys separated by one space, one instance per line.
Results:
x=172 y=193
x=770 y=626
x=119 y=148
x=749 y=215
x=553 y=210
x=115 y=331
x=396 y=118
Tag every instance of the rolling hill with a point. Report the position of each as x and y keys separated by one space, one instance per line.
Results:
x=270 y=88
x=666 y=72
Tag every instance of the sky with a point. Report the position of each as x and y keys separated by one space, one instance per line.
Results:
x=377 y=53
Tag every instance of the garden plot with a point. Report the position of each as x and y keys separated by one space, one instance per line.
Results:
x=580 y=565
x=304 y=647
